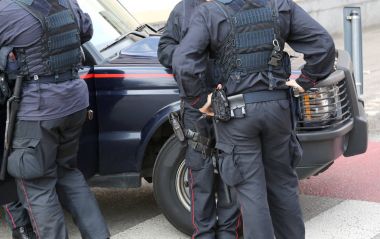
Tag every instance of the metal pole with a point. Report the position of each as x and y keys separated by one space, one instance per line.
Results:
x=354 y=44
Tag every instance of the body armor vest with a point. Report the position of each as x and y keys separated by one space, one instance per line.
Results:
x=59 y=49
x=254 y=43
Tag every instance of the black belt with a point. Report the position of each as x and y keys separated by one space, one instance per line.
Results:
x=262 y=96
x=238 y=102
x=58 y=78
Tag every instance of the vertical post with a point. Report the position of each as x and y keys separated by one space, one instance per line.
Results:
x=353 y=42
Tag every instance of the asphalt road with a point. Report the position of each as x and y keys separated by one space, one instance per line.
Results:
x=342 y=203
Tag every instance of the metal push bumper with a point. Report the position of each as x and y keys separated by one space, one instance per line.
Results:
x=322 y=148
x=350 y=138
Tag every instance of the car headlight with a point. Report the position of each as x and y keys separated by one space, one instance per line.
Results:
x=323 y=107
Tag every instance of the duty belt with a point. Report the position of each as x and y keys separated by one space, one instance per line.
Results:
x=238 y=102
x=262 y=96
x=57 y=78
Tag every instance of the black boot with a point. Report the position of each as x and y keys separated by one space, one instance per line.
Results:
x=24 y=232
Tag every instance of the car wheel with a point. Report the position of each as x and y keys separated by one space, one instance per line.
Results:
x=171 y=186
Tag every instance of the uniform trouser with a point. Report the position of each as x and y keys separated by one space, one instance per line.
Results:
x=258 y=157
x=16 y=215
x=43 y=161
x=210 y=220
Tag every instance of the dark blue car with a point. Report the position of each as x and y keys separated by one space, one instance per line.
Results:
x=127 y=136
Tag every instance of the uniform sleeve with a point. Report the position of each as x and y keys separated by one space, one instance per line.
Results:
x=85 y=23
x=190 y=61
x=308 y=37
x=169 y=40
x=4 y=52
x=9 y=28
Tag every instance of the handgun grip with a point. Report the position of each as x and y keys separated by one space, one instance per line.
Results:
x=176 y=125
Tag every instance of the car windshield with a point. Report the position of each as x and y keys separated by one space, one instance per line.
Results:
x=110 y=19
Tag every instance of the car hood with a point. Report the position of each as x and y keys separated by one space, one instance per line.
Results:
x=127 y=59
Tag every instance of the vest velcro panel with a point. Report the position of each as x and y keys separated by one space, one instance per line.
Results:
x=253 y=16
x=254 y=39
x=256 y=61
x=59 y=19
x=63 y=39
x=64 y=60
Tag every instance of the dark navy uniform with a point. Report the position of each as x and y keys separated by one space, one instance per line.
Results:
x=259 y=149
x=46 y=37
x=209 y=220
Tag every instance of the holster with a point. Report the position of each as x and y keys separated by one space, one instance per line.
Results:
x=5 y=91
x=175 y=121
x=203 y=139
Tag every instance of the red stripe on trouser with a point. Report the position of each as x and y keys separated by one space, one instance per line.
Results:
x=192 y=204
x=30 y=210
x=237 y=226
x=10 y=216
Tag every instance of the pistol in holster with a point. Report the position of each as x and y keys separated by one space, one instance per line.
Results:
x=175 y=121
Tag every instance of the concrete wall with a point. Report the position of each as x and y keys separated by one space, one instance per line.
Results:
x=329 y=13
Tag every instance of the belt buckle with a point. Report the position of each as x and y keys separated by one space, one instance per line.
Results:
x=237 y=102
x=242 y=108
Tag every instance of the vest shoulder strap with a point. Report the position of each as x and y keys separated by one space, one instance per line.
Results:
x=225 y=1
x=27 y=6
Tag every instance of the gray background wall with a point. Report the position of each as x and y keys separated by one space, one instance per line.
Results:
x=329 y=13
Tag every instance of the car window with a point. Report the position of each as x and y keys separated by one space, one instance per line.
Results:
x=110 y=21
x=145 y=48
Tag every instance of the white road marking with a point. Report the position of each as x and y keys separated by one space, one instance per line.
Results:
x=157 y=227
x=372 y=112
x=372 y=106
x=348 y=220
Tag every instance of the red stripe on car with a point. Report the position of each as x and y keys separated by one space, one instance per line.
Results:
x=134 y=76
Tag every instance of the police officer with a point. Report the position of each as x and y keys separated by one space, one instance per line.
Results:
x=259 y=149
x=209 y=220
x=46 y=36
x=16 y=215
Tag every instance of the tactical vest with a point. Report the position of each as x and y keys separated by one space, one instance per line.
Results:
x=59 y=49
x=254 y=43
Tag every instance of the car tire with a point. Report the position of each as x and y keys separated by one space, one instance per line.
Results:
x=169 y=185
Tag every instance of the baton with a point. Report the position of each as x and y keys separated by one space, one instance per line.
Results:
x=13 y=104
